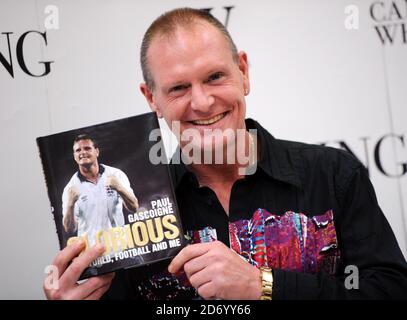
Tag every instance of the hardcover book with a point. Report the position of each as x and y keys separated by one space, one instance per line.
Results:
x=109 y=183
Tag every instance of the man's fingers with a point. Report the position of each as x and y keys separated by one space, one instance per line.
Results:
x=66 y=255
x=196 y=264
x=73 y=190
x=96 y=295
x=91 y=286
x=200 y=278
x=186 y=254
x=207 y=291
x=75 y=269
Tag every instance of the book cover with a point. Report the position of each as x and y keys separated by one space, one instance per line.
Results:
x=109 y=183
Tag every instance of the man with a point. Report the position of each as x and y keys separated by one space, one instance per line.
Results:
x=293 y=226
x=94 y=197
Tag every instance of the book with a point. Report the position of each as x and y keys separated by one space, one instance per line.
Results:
x=110 y=183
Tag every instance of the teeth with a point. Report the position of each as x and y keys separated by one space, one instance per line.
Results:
x=209 y=121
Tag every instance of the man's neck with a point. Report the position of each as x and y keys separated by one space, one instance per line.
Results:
x=215 y=174
x=226 y=173
x=91 y=173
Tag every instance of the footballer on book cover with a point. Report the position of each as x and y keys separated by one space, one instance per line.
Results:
x=109 y=183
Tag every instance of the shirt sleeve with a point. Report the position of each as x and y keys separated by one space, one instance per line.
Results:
x=366 y=241
x=65 y=200
x=65 y=196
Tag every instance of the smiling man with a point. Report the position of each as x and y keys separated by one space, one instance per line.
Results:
x=287 y=231
x=196 y=78
x=94 y=197
x=291 y=220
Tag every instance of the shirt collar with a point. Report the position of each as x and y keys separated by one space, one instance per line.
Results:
x=83 y=179
x=276 y=160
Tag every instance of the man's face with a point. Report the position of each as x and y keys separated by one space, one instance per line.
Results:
x=85 y=153
x=197 y=82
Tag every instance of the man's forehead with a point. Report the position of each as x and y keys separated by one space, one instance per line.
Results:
x=179 y=51
x=83 y=142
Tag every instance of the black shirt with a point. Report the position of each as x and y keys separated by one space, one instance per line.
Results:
x=297 y=184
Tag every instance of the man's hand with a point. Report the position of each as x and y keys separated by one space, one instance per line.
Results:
x=73 y=195
x=130 y=200
x=69 y=220
x=217 y=272
x=68 y=288
x=113 y=182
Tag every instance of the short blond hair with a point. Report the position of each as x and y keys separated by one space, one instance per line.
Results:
x=166 y=25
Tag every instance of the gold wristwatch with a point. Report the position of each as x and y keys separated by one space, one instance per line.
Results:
x=266 y=275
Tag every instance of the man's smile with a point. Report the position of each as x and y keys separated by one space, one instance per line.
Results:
x=205 y=122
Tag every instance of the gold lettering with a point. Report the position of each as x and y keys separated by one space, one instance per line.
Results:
x=158 y=226
x=140 y=234
x=129 y=236
x=106 y=240
x=167 y=223
x=118 y=237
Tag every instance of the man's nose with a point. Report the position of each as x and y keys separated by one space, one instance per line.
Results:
x=201 y=100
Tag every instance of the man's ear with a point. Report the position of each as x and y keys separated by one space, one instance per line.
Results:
x=97 y=152
x=244 y=69
x=148 y=94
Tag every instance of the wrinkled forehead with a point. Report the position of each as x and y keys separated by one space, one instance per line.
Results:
x=184 y=48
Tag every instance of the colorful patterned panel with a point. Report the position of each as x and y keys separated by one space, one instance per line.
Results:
x=291 y=241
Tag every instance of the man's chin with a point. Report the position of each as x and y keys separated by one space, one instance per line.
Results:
x=86 y=165
x=206 y=152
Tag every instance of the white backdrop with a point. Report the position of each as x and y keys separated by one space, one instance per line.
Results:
x=321 y=72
